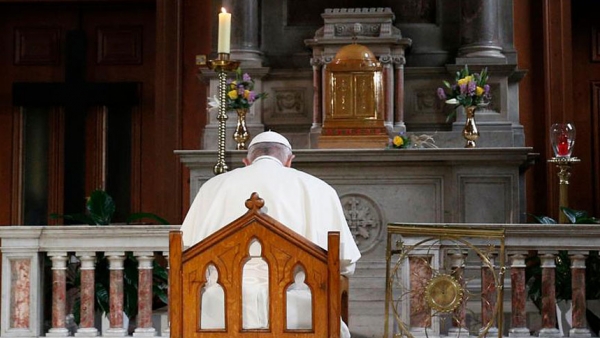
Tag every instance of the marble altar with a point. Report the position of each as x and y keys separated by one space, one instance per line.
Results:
x=379 y=186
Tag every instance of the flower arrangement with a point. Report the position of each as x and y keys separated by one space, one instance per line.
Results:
x=399 y=141
x=468 y=89
x=240 y=92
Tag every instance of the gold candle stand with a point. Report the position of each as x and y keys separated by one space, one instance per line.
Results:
x=564 y=173
x=222 y=65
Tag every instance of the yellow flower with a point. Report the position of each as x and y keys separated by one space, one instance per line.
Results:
x=246 y=93
x=479 y=91
x=233 y=94
x=465 y=80
x=398 y=141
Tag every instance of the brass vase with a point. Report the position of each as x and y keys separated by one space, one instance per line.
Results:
x=241 y=134
x=470 y=132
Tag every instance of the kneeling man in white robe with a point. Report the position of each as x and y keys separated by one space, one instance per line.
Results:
x=304 y=203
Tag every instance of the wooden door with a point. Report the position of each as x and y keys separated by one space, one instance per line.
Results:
x=78 y=85
x=585 y=191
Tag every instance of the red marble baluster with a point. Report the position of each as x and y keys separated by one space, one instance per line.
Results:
x=579 y=328
x=518 y=297
x=548 y=297
x=420 y=274
x=59 y=294
x=86 y=325
x=20 y=305
x=115 y=260
x=144 y=317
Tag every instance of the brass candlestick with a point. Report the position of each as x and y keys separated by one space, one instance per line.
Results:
x=222 y=65
x=564 y=173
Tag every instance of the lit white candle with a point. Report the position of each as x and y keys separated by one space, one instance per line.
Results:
x=224 y=32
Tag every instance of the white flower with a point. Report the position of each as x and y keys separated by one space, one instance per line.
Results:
x=213 y=103
x=452 y=101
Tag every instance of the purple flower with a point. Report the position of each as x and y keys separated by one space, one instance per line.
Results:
x=472 y=87
x=240 y=90
x=486 y=89
x=441 y=94
x=251 y=97
x=246 y=77
x=463 y=89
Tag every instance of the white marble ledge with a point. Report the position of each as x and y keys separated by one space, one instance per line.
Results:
x=533 y=236
x=461 y=155
x=88 y=237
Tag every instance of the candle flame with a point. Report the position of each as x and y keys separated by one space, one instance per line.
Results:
x=223 y=10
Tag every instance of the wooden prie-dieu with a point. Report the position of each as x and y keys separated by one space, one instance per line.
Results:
x=227 y=250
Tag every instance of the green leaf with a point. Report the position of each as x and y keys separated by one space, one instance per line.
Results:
x=102 y=298
x=161 y=293
x=141 y=215
x=101 y=207
x=447 y=84
x=574 y=215
x=451 y=114
x=543 y=219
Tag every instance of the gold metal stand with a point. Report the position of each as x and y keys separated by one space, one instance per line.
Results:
x=413 y=240
x=222 y=65
x=564 y=166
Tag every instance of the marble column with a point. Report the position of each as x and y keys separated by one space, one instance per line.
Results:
x=479 y=30
x=518 y=296
x=317 y=66
x=399 y=125
x=579 y=327
x=420 y=313
x=488 y=296
x=88 y=265
x=115 y=266
x=388 y=90
x=548 y=296
x=20 y=303
x=245 y=23
x=144 y=317
x=59 y=294
x=459 y=316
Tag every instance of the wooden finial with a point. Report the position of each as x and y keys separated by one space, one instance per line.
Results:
x=254 y=203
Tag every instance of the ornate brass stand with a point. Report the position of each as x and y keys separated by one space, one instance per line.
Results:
x=222 y=65
x=564 y=173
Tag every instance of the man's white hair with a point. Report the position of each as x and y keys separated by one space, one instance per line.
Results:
x=277 y=150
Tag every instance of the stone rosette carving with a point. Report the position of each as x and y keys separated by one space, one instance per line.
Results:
x=364 y=219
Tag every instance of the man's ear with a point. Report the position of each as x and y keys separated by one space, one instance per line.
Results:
x=246 y=161
x=288 y=163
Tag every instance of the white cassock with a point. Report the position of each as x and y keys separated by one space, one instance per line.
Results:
x=298 y=200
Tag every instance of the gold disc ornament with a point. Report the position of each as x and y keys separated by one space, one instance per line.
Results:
x=443 y=293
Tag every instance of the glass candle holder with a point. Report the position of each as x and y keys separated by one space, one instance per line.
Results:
x=562 y=138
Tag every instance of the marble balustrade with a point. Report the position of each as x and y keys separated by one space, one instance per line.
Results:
x=25 y=248
x=24 y=252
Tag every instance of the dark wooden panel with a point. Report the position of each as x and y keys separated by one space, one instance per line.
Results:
x=37 y=45
x=595 y=43
x=196 y=25
x=596 y=145
x=120 y=45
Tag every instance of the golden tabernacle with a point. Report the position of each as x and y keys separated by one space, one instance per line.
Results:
x=354 y=106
